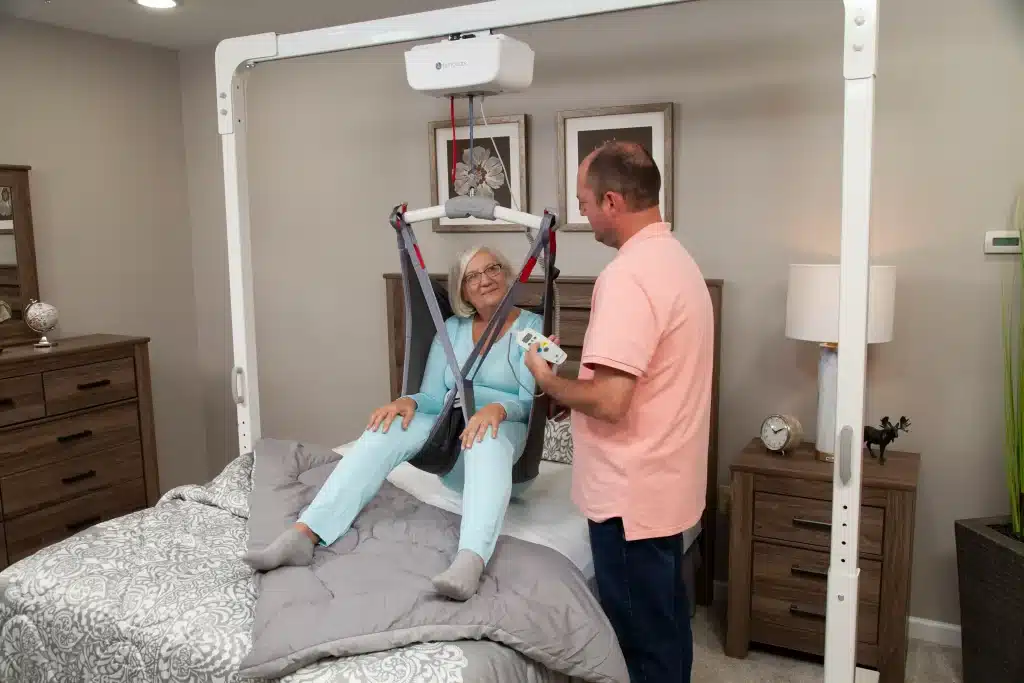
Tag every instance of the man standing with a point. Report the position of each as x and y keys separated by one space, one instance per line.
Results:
x=641 y=411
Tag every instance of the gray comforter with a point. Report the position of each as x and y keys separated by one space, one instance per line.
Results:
x=371 y=590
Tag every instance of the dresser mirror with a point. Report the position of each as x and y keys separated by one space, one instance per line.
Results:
x=19 y=283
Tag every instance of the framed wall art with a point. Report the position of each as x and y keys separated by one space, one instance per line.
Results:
x=6 y=210
x=495 y=167
x=580 y=131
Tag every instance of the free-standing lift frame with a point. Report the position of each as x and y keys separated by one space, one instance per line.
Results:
x=860 y=52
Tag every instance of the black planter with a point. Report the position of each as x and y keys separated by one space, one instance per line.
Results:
x=990 y=565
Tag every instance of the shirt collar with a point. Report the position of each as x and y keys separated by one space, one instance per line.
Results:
x=652 y=230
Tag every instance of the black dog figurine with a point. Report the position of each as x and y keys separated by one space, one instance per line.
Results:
x=884 y=435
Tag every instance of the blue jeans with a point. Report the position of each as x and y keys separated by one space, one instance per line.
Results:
x=483 y=474
x=640 y=586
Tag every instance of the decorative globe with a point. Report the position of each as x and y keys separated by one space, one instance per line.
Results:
x=40 y=318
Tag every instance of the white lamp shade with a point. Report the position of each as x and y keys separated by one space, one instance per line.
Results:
x=812 y=303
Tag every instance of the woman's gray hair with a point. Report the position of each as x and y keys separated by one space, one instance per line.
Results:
x=460 y=306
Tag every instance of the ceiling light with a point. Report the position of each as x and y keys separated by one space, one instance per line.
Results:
x=159 y=4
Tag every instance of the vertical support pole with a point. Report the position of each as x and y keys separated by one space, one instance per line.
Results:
x=232 y=123
x=859 y=65
x=244 y=376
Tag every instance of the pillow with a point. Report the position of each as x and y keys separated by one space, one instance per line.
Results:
x=558 y=441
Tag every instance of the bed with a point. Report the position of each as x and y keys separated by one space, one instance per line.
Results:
x=161 y=594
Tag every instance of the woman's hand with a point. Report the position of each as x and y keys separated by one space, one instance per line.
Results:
x=490 y=416
x=385 y=415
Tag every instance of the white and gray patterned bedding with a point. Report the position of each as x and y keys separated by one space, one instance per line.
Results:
x=161 y=595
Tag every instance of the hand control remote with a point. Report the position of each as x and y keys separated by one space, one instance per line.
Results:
x=548 y=350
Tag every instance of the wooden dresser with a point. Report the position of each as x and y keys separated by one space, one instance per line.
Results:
x=77 y=443
x=779 y=542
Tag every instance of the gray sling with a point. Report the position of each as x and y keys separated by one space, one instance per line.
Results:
x=426 y=309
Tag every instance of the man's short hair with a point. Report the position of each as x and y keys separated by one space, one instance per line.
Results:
x=626 y=168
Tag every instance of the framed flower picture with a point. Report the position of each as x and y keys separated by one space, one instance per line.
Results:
x=495 y=167
x=581 y=131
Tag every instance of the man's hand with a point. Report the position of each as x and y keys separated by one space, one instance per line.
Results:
x=404 y=406
x=488 y=417
x=538 y=367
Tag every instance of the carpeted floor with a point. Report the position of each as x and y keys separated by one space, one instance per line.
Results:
x=926 y=663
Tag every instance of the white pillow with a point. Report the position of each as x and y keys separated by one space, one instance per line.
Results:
x=558 y=441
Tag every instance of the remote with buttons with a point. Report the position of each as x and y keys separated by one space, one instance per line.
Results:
x=548 y=350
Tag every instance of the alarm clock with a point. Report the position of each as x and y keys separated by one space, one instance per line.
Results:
x=781 y=433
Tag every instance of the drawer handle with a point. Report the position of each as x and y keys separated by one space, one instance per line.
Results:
x=812 y=524
x=78 y=526
x=84 y=434
x=797 y=570
x=801 y=612
x=6 y=403
x=79 y=477
x=93 y=385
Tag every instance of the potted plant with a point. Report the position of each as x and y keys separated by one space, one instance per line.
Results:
x=990 y=550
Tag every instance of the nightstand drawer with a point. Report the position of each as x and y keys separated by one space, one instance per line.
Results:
x=808 y=521
x=800 y=624
x=794 y=574
x=21 y=399
x=85 y=386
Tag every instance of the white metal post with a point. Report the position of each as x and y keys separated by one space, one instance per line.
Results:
x=859 y=65
x=244 y=375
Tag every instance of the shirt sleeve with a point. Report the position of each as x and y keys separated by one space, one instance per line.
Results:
x=623 y=331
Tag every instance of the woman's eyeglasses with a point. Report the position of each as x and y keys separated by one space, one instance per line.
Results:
x=492 y=271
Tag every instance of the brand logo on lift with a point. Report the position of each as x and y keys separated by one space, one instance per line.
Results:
x=448 y=65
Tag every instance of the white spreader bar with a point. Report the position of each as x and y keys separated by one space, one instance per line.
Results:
x=500 y=213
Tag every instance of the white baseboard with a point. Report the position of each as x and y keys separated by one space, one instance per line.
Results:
x=936 y=632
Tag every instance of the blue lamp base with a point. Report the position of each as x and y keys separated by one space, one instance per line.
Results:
x=828 y=382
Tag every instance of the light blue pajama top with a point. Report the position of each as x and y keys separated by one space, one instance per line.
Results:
x=494 y=378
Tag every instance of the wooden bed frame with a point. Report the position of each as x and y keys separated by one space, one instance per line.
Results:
x=574 y=299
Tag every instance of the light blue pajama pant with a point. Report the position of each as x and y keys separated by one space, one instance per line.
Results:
x=482 y=473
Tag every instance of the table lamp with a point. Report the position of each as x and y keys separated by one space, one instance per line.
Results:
x=812 y=314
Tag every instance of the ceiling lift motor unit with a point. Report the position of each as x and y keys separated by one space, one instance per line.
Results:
x=470 y=64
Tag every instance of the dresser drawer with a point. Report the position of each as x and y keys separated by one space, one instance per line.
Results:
x=42 y=486
x=85 y=386
x=808 y=521
x=21 y=399
x=80 y=434
x=31 y=532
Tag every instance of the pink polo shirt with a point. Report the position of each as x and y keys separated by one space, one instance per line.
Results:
x=651 y=316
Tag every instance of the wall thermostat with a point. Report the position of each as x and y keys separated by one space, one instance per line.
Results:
x=1002 y=242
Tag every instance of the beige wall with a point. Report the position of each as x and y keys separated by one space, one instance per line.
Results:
x=338 y=140
x=99 y=121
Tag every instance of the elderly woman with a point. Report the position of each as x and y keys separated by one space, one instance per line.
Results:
x=492 y=442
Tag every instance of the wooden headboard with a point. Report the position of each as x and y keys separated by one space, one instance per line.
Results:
x=574 y=299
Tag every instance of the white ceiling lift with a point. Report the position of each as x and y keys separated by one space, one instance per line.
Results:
x=859 y=67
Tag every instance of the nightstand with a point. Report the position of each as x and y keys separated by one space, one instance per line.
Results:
x=779 y=540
